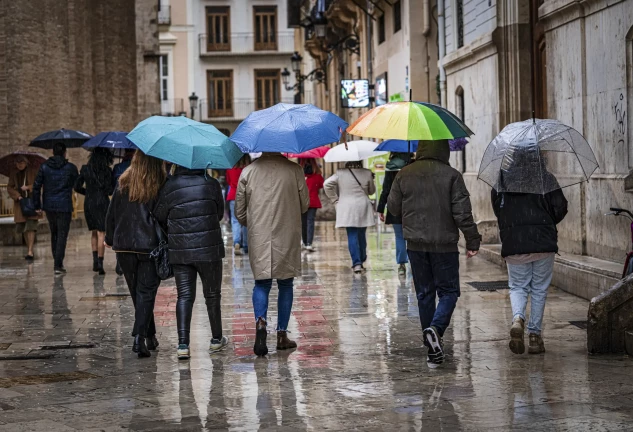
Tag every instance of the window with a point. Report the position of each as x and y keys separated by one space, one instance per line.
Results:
x=461 y=113
x=381 y=29
x=459 y=12
x=220 y=93
x=218 y=28
x=265 y=27
x=267 y=87
x=397 y=16
x=164 y=77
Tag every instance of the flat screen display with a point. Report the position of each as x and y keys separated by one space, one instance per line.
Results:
x=355 y=93
x=381 y=90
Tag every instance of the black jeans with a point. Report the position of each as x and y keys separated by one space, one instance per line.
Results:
x=186 y=278
x=142 y=281
x=307 y=226
x=435 y=273
x=59 y=224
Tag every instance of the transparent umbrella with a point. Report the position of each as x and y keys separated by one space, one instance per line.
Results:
x=537 y=156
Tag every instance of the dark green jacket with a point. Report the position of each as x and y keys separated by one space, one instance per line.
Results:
x=433 y=201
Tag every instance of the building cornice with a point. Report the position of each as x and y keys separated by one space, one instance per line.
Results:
x=166 y=38
x=482 y=47
x=555 y=13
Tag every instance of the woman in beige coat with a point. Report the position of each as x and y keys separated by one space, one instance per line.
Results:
x=271 y=196
x=20 y=185
x=349 y=190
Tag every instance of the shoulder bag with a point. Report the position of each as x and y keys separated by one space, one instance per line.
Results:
x=27 y=205
x=362 y=188
x=160 y=255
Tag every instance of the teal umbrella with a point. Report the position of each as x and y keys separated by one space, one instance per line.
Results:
x=185 y=142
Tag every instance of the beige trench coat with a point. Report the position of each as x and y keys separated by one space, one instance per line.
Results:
x=353 y=207
x=271 y=196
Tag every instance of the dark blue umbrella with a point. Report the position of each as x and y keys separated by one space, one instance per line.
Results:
x=402 y=146
x=110 y=140
x=71 y=138
x=288 y=128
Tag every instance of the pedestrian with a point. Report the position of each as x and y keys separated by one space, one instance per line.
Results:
x=529 y=242
x=20 y=184
x=117 y=171
x=191 y=206
x=131 y=233
x=95 y=183
x=271 y=197
x=57 y=176
x=432 y=199
x=397 y=161
x=349 y=190
x=240 y=232
x=314 y=180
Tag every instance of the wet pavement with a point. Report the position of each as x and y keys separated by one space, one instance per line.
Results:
x=66 y=362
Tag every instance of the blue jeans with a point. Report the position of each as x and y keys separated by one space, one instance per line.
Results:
x=284 y=300
x=435 y=273
x=307 y=226
x=401 y=245
x=531 y=278
x=240 y=233
x=357 y=244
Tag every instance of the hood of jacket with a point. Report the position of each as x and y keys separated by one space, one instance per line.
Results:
x=56 y=162
x=438 y=150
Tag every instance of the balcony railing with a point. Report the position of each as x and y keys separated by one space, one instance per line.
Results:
x=6 y=203
x=172 y=106
x=245 y=43
x=234 y=109
x=164 y=14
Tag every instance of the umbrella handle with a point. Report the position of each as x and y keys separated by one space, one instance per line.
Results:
x=344 y=135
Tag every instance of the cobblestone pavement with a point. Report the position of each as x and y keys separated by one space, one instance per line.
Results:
x=66 y=362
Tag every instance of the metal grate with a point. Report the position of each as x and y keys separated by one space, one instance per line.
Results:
x=489 y=285
x=580 y=324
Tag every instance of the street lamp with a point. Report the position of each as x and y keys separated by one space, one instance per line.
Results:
x=285 y=77
x=295 y=60
x=193 y=103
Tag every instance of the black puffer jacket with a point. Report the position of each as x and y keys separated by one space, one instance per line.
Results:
x=191 y=206
x=527 y=222
x=129 y=225
x=58 y=177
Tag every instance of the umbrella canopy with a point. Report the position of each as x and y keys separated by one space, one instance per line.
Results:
x=288 y=128
x=537 y=156
x=409 y=121
x=316 y=153
x=353 y=151
x=7 y=163
x=185 y=142
x=110 y=140
x=71 y=138
x=402 y=146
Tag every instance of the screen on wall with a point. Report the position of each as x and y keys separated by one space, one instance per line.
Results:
x=354 y=93
x=381 y=90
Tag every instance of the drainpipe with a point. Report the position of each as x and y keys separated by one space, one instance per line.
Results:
x=369 y=28
x=442 y=49
x=426 y=7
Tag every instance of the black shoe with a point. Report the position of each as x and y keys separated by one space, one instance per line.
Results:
x=29 y=258
x=433 y=341
x=152 y=343
x=60 y=270
x=142 y=347
x=118 y=270
x=135 y=345
x=260 y=349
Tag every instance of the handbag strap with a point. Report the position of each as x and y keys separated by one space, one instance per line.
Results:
x=360 y=185
x=26 y=193
x=160 y=232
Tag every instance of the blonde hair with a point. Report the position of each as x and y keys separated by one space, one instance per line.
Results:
x=144 y=178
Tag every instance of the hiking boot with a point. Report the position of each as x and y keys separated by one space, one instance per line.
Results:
x=283 y=342
x=358 y=269
x=536 y=345
x=183 y=352
x=152 y=343
x=434 y=343
x=218 y=344
x=402 y=270
x=517 y=332
x=237 y=249
x=260 y=349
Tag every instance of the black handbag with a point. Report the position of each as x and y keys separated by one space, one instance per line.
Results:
x=27 y=204
x=160 y=255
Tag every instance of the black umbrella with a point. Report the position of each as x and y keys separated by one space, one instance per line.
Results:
x=71 y=138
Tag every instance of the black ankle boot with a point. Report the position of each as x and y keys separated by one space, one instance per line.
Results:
x=152 y=343
x=100 y=266
x=135 y=345
x=260 y=349
x=142 y=347
x=95 y=262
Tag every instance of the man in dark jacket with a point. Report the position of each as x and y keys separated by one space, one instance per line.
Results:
x=58 y=177
x=432 y=199
x=527 y=224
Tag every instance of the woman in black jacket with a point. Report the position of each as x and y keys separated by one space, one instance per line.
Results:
x=191 y=206
x=131 y=232
x=95 y=182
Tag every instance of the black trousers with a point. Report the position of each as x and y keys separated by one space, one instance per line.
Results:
x=186 y=278
x=59 y=224
x=142 y=281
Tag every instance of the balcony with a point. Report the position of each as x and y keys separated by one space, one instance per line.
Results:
x=232 y=110
x=172 y=107
x=164 y=14
x=245 y=44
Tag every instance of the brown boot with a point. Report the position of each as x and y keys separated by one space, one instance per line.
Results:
x=260 y=349
x=283 y=342
x=536 y=345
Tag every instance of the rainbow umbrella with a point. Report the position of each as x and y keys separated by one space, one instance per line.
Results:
x=410 y=121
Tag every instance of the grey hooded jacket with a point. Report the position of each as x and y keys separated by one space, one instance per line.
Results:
x=433 y=201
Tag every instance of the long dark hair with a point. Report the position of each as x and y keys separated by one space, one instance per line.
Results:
x=99 y=165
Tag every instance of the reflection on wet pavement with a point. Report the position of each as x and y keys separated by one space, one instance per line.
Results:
x=360 y=362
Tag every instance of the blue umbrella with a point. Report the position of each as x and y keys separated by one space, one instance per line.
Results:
x=71 y=138
x=110 y=140
x=402 y=146
x=288 y=128
x=185 y=142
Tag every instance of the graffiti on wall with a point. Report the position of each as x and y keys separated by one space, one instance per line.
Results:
x=620 y=117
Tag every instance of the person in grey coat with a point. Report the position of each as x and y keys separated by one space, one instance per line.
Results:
x=434 y=204
x=349 y=190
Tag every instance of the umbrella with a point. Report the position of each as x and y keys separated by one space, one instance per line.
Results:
x=110 y=140
x=409 y=121
x=316 y=153
x=353 y=151
x=288 y=128
x=402 y=146
x=185 y=142
x=7 y=163
x=537 y=156
x=71 y=138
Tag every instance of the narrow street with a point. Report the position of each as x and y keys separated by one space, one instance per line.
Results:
x=66 y=360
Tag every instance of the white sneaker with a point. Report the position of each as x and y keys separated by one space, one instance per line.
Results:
x=358 y=269
x=310 y=248
x=402 y=270
x=218 y=344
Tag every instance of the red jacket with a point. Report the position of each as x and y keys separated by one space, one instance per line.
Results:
x=233 y=179
x=315 y=182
